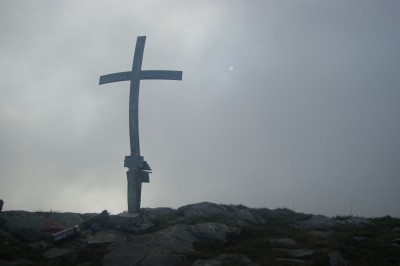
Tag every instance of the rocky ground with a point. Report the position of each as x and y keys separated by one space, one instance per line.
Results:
x=198 y=234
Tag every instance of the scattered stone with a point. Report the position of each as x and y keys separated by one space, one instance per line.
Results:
x=283 y=242
x=207 y=263
x=336 y=259
x=396 y=241
x=67 y=254
x=300 y=253
x=355 y=220
x=396 y=230
x=357 y=239
x=290 y=261
x=321 y=234
x=40 y=245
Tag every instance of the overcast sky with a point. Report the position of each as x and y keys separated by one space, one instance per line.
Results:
x=282 y=104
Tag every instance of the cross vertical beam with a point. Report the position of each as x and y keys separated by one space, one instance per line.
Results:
x=138 y=169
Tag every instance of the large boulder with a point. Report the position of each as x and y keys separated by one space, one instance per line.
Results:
x=126 y=223
x=158 y=214
x=230 y=214
x=167 y=246
x=32 y=226
x=204 y=211
x=213 y=231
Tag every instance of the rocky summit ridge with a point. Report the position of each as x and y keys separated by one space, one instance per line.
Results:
x=198 y=234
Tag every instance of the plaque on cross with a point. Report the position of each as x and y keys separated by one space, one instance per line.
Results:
x=138 y=168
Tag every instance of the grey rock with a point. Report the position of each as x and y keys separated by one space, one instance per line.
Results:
x=318 y=222
x=125 y=254
x=231 y=214
x=247 y=216
x=6 y=263
x=23 y=262
x=67 y=254
x=172 y=240
x=300 y=253
x=321 y=234
x=355 y=220
x=211 y=262
x=33 y=226
x=131 y=224
x=88 y=263
x=396 y=230
x=64 y=220
x=177 y=239
x=166 y=245
x=336 y=259
x=104 y=237
x=284 y=242
x=158 y=214
x=357 y=239
x=236 y=258
x=40 y=245
x=396 y=241
x=286 y=261
x=213 y=231
x=163 y=259
x=204 y=210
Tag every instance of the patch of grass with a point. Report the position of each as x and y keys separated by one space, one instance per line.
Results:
x=234 y=207
x=369 y=244
x=47 y=213
x=387 y=222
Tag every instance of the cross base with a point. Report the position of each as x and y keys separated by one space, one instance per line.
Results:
x=134 y=190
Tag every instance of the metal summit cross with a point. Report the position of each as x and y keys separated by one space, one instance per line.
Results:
x=138 y=169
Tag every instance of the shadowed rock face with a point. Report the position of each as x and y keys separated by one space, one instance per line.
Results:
x=162 y=247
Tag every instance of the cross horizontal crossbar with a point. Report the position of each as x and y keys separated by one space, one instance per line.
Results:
x=144 y=74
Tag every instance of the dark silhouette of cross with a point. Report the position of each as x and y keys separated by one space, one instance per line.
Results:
x=138 y=169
